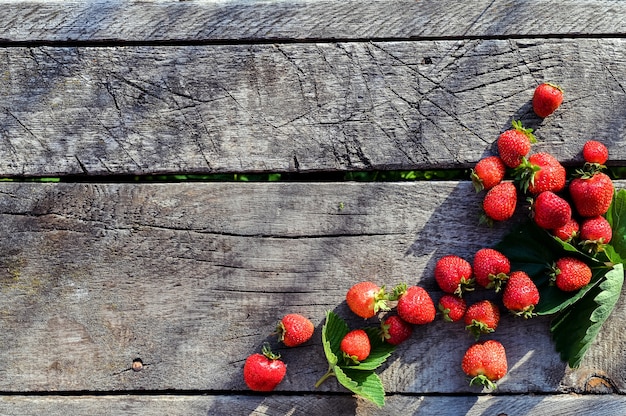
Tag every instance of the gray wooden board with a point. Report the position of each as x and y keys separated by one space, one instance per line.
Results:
x=300 y=107
x=28 y=21
x=276 y=404
x=191 y=278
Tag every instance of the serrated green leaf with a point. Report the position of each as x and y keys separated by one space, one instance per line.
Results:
x=575 y=329
x=616 y=216
x=365 y=384
x=333 y=331
x=378 y=355
x=554 y=300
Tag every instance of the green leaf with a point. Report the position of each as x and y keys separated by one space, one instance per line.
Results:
x=554 y=300
x=333 y=331
x=574 y=330
x=616 y=216
x=381 y=350
x=365 y=384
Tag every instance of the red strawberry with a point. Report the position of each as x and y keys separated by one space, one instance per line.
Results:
x=570 y=274
x=491 y=268
x=454 y=275
x=482 y=317
x=485 y=363
x=568 y=232
x=294 y=329
x=395 y=330
x=546 y=99
x=550 y=211
x=415 y=305
x=514 y=144
x=366 y=299
x=452 y=307
x=595 y=233
x=520 y=294
x=263 y=372
x=355 y=346
x=595 y=152
x=500 y=202
x=487 y=173
x=541 y=172
x=591 y=195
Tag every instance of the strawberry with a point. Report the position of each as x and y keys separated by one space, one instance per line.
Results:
x=482 y=317
x=487 y=173
x=546 y=99
x=415 y=305
x=595 y=233
x=491 y=268
x=263 y=372
x=520 y=294
x=514 y=144
x=454 y=275
x=355 y=346
x=595 y=152
x=395 y=330
x=570 y=274
x=366 y=299
x=591 y=194
x=452 y=308
x=550 y=211
x=485 y=363
x=294 y=329
x=568 y=232
x=500 y=202
x=541 y=172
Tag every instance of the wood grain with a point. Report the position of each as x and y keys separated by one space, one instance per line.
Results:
x=557 y=405
x=106 y=21
x=300 y=107
x=191 y=278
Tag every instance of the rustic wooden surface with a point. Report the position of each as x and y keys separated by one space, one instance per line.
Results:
x=191 y=278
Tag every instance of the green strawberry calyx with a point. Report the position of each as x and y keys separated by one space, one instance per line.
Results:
x=483 y=380
x=528 y=132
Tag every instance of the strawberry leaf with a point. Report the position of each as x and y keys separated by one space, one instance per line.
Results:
x=365 y=384
x=576 y=327
x=554 y=300
x=616 y=216
x=333 y=331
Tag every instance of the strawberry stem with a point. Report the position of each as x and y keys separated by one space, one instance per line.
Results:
x=329 y=373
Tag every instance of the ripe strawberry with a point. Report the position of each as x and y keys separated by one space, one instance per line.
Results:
x=550 y=211
x=491 y=268
x=546 y=99
x=591 y=194
x=482 y=317
x=514 y=144
x=570 y=274
x=485 y=363
x=415 y=305
x=595 y=152
x=454 y=275
x=500 y=202
x=355 y=346
x=366 y=299
x=568 y=232
x=263 y=372
x=395 y=330
x=452 y=308
x=541 y=172
x=294 y=329
x=595 y=233
x=520 y=294
x=487 y=173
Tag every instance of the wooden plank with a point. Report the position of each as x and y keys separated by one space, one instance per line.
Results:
x=191 y=278
x=527 y=405
x=327 y=19
x=300 y=107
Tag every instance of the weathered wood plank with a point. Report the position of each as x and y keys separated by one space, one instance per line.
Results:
x=275 y=404
x=299 y=107
x=191 y=278
x=327 y=19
